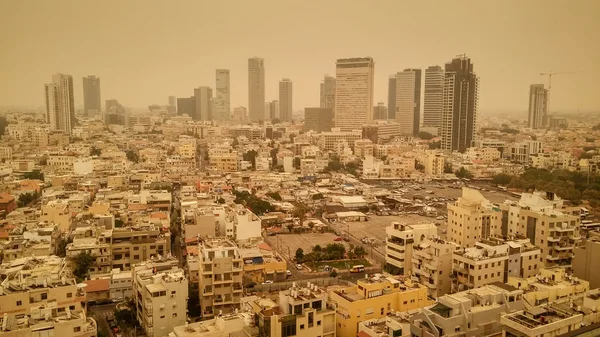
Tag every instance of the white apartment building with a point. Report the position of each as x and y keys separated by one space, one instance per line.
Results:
x=354 y=93
x=60 y=105
x=553 y=160
x=363 y=148
x=223 y=158
x=471 y=218
x=41 y=290
x=5 y=153
x=484 y=155
x=521 y=152
x=432 y=265
x=434 y=162
x=222 y=99
x=285 y=100
x=160 y=292
x=328 y=140
x=432 y=102
x=406 y=86
x=400 y=240
x=220 y=275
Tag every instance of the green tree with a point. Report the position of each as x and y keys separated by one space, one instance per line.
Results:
x=35 y=175
x=94 y=151
x=83 y=261
x=221 y=200
x=299 y=255
x=193 y=303
x=274 y=196
x=463 y=173
x=26 y=199
x=502 y=179
x=119 y=223
x=334 y=165
x=360 y=252
x=317 y=196
x=251 y=157
x=333 y=274
x=125 y=318
x=61 y=247
x=419 y=167
x=435 y=145
x=296 y=163
x=317 y=248
x=132 y=156
x=448 y=168
x=425 y=135
x=275 y=121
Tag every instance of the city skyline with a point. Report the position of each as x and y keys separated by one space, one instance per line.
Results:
x=137 y=78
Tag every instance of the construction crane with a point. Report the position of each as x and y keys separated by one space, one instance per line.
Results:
x=550 y=74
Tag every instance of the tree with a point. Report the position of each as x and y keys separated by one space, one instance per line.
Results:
x=296 y=163
x=333 y=274
x=119 y=223
x=221 y=200
x=425 y=135
x=435 y=145
x=299 y=255
x=3 y=124
x=61 y=248
x=335 y=165
x=463 y=173
x=125 y=317
x=27 y=198
x=317 y=196
x=419 y=167
x=448 y=168
x=132 y=156
x=193 y=304
x=360 y=252
x=502 y=179
x=83 y=262
x=275 y=121
x=251 y=157
x=274 y=196
x=94 y=151
x=317 y=248
x=509 y=130
x=35 y=175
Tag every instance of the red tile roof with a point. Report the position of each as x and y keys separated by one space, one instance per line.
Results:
x=94 y=286
x=6 y=198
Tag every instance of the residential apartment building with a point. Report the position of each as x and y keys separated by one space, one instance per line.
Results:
x=263 y=264
x=459 y=109
x=220 y=277
x=471 y=218
x=475 y=312
x=553 y=160
x=286 y=107
x=400 y=242
x=547 y=223
x=223 y=159
x=354 y=93
x=41 y=290
x=434 y=163
x=381 y=132
x=328 y=140
x=408 y=101
x=374 y=298
x=236 y=324
x=222 y=99
x=327 y=91
x=584 y=262
x=521 y=152
x=160 y=291
x=538 y=106
x=130 y=246
x=60 y=103
x=548 y=320
x=433 y=97
x=550 y=285
x=256 y=89
x=483 y=155
x=432 y=265
x=318 y=119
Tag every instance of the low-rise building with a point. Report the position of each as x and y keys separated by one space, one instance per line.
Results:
x=263 y=264
x=550 y=285
x=400 y=240
x=432 y=265
x=374 y=298
x=549 y=320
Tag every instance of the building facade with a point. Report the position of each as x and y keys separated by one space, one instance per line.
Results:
x=538 y=106
x=203 y=100
x=256 y=89
x=433 y=97
x=354 y=93
x=222 y=99
x=408 y=101
x=285 y=100
x=92 y=102
x=60 y=103
x=318 y=119
x=400 y=242
x=392 y=97
x=327 y=91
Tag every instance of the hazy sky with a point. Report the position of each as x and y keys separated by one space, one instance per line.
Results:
x=144 y=51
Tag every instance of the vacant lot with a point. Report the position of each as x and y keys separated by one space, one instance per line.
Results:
x=340 y=265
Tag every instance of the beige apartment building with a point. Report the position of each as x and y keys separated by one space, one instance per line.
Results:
x=301 y=312
x=42 y=290
x=223 y=159
x=400 y=243
x=471 y=218
x=160 y=292
x=328 y=140
x=547 y=222
x=493 y=260
x=432 y=265
x=550 y=285
x=434 y=162
x=475 y=312
x=549 y=320
x=220 y=275
x=585 y=261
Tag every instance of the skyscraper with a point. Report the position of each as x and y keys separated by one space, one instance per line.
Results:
x=203 y=97
x=91 y=95
x=328 y=92
x=256 y=89
x=432 y=102
x=354 y=93
x=60 y=103
x=408 y=100
x=285 y=100
x=222 y=100
x=380 y=111
x=538 y=109
x=459 y=109
x=173 y=101
x=318 y=119
x=392 y=97
x=186 y=106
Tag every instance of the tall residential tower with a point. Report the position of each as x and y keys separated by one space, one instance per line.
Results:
x=432 y=102
x=222 y=105
x=392 y=97
x=459 y=108
x=285 y=100
x=91 y=95
x=354 y=93
x=203 y=99
x=538 y=113
x=256 y=89
x=60 y=103
x=408 y=101
x=328 y=92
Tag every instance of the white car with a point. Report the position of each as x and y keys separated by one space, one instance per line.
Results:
x=299 y=266
x=268 y=282
x=288 y=273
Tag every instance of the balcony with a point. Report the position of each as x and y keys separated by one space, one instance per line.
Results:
x=553 y=239
x=237 y=287
x=430 y=266
x=423 y=254
x=460 y=269
x=425 y=273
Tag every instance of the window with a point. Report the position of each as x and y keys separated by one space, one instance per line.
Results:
x=301 y=326
x=44 y=296
x=174 y=314
x=71 y=307
x=318 y=323
x=77 y=329
x=163 y=316
x=69 y=295
x=381 y=311
x=19 y=303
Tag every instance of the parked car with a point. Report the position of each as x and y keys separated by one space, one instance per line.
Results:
x=339 y=238
x=299 y=266
x=288 y=273
x=268 y=282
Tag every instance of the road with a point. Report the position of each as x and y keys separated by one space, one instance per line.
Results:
x=101 y=313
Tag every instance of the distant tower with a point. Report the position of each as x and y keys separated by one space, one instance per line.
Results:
x=91 y=95
x=538 y=113
x=285 y=100
x=354 y=93
x=60 y=103
x=380 y=111
x=459 y=110
x=203 y=97
x=256 y=89
x=408 y=101
x=328 y=92
x=432 y=102
x=222 y=106
x=392 y=97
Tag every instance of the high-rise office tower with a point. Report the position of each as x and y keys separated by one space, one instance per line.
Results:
x=392 y=97
x=328 y=92
x=187 y=106
x=318 y=119
x=222 y=106
x=275 y=112
x=173 y=101
x=203 y=97
x=91 y=95
x=60 y=103
x=380 y=111
x=354 y=93
x=408 y=100
x=268 y=110
x=285 y=100
x=459 y=109
x=538 y=109
x=256 y=89
x=432 y=102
